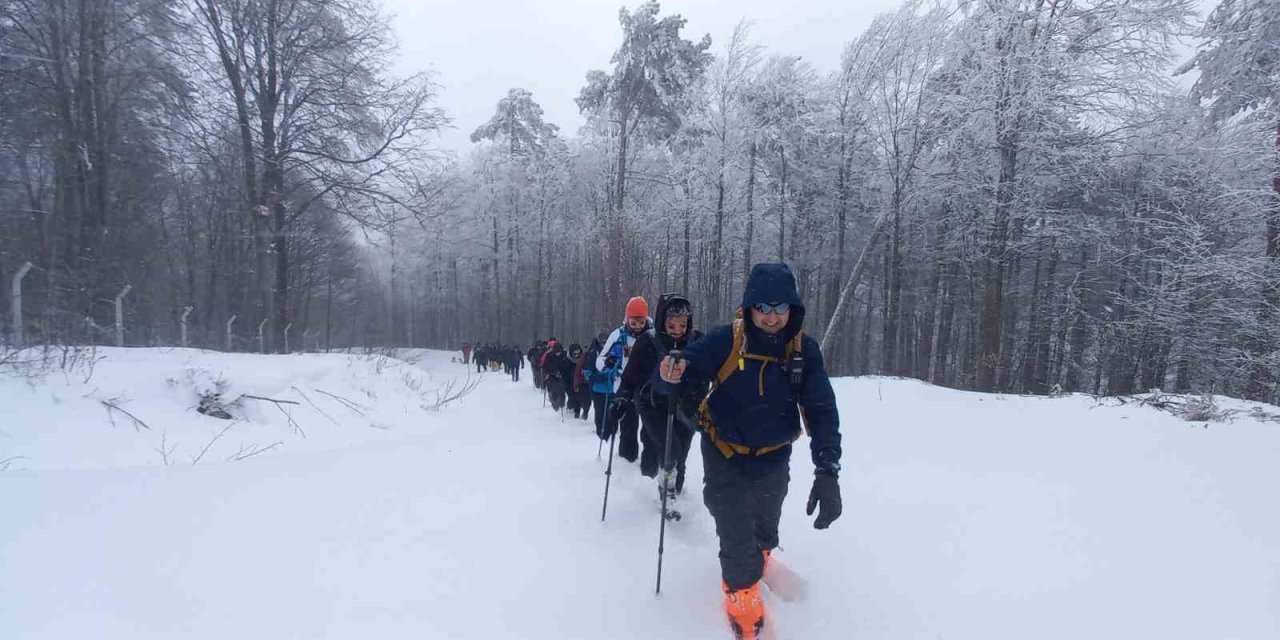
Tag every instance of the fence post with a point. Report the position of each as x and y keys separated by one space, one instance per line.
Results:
x=262 y=344
x=120 y=314
x=185 y=312
x=286 y=337
x=229 y=323
x=17 y=304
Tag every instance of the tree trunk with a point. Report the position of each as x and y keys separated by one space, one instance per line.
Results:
x=946 y=318
x=851 y=284
x=1029 y=361
x=864 y=354
x=924 y=362
x=617 y=227
x=1261 y=377
x=842 y=226
x=751 y=216
x=996 y=262
x=1007 y=132
x=1073 y=380
x=893 y=288
x=714 y=311
x=1040 y=374
x=782 y=207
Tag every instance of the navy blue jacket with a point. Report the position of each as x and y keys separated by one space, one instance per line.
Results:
x=741 y=413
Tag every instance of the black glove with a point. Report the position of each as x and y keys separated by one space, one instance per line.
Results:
x=610 y=362
x=825 y=492
x=618 y=406
x=608 y=427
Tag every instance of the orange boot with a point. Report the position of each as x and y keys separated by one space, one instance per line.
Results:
x=745 y=609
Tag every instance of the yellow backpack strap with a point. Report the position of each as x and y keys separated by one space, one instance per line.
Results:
x=796 y=345
x=734 y=359
x=731 y=362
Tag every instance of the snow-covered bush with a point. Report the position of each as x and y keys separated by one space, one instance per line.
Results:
x=1202 y=408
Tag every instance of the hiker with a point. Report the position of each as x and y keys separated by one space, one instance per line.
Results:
x=766 y=377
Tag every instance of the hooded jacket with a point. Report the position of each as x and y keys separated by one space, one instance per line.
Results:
x=741 y=412
x=651 y=346
x=556 y=364
x=618 y=346
x=592 y=375
x=552 y=345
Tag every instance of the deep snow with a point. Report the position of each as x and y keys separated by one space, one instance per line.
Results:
x=967 y=516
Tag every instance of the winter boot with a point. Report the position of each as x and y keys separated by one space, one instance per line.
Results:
x=667 y=483
x=745 y=609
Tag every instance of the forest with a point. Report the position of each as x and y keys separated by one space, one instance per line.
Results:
x=1023 y=196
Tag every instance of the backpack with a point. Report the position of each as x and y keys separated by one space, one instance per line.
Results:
x=792 y=361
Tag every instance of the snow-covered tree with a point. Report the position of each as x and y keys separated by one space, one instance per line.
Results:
x=644 y=95
x=1239 y=67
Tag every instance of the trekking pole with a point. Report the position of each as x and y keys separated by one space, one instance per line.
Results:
x=666 y=464
x=608 y=472
x=604 y=419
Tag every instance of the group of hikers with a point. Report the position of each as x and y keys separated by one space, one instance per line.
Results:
x=751 y=388
x=561 y=375
x=492 y=356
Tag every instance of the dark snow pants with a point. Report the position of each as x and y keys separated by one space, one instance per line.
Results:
x=653 y=435
x=746 y=509
x=580 y=402
x=627 y=425
x=555 y=391
x=598 y=403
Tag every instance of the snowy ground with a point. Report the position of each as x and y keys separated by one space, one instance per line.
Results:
x=377 y=515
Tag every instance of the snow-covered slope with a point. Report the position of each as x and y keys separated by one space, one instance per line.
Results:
x=967 y=516
x=115 y=408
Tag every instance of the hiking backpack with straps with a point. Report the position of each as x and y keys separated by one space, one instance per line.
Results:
x=792 y=362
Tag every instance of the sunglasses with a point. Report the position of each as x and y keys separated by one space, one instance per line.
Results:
x=766 y=308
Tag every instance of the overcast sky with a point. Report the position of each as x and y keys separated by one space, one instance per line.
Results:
x=478 y=49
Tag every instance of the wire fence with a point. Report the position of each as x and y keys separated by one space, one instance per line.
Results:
x=53 y=325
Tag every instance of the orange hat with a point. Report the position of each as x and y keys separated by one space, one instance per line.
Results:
x=637 y=308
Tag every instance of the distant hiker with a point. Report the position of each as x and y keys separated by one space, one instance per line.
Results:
x=613 y=361
x=557 y=370
x=466 y=353
x=766 y=377
x=599 y=381
x=535 y=358
x=673 y=330
x=515 y=361
x=579 y=390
